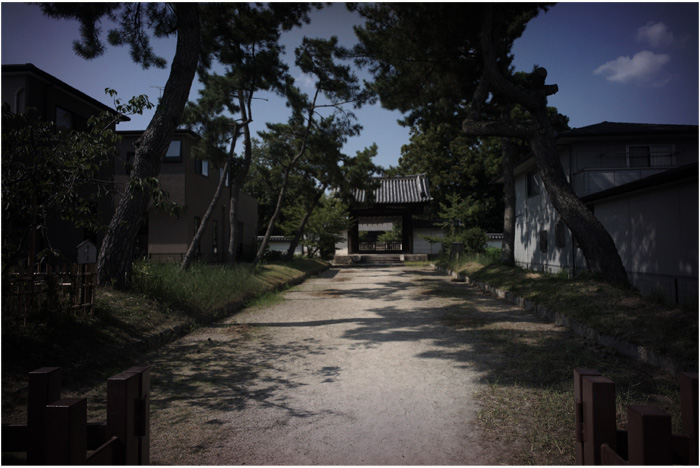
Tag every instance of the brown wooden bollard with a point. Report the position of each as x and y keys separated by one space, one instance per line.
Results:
x=143 y=413
x=598 y=417
x=648 y=435
x=689 y=411
x=579 y=373
x=122 y=393
x=44 y=388
x=66 y=441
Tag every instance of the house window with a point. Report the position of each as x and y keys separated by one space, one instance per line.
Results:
x=543 y=241
x=201 y=167
x=650 y=155
x=129 y=163
x=64 y=118
x=221 y=174
x=174 y=152
x=639 y=156
x=559 y=237
x=533 y=184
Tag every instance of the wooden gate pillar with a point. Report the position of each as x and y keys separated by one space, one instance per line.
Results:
x=354 y=236
x=407 y=233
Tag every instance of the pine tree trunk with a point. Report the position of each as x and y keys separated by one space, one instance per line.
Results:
x=508 y=249
x=598 y=247
x=239 y=179
x=194 y=245
x=285 y=181
x=114 y=263
x=595 y=242
x=273 y=219
x=302 y=225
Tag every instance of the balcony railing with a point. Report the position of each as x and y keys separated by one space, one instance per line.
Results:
x=593 y=180
x=380 y=246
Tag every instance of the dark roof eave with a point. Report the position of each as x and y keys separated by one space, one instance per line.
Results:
x=689 y=171
x=31 y=68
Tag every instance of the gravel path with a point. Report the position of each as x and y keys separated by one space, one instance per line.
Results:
x=353 y=368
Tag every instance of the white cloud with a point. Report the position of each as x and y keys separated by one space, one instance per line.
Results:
x=645 y=67
x=657 y=35
x=306 y=81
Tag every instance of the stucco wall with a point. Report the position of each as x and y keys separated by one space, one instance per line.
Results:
x=422 y=246
x=534 y=215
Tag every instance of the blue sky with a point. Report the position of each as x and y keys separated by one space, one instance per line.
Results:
x=623 y=62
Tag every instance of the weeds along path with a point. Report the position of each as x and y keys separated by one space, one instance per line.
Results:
x=356 y=366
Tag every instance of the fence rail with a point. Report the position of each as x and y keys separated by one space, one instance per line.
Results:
x=648 y=439
x=57 y=431
x=392 y=246
x=56 y=286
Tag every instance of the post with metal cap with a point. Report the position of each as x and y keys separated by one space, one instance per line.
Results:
x=66 y=427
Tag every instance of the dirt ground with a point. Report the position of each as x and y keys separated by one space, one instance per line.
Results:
x=354 y=367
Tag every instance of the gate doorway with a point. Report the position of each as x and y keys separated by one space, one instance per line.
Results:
x=381 y=221
x=380 y=235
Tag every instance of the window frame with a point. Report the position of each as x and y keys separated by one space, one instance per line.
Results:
x=534 y=183
x=173 y=158
x=66 y=112
x=668 y=150
x=544 y=241
x=201 y=167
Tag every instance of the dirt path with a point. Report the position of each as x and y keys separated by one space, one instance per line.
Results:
x=354 y=367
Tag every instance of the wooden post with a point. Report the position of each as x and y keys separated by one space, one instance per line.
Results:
x=143 y=413
x=122 y=393
x=44 y=388
x=649 y=435
x=598 y=417
x=66 y=426
x=579 y=373
x=689 y=411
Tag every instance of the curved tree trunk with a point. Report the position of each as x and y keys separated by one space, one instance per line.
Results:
x=239 y=179
x=302 y=225
x=194 y=245
x=508 y=249
x=285 y=181
x=114 y=263
x=596 y=243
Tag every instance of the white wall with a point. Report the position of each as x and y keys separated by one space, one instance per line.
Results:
x=532 y=215
x=422 y=246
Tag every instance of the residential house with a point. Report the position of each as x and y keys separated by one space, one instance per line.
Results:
x=25 y=86
x=190 y=183
x=641 y=182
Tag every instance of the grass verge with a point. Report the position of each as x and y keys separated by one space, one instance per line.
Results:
x=669 y=330
x=526 y=402
x=165 y=302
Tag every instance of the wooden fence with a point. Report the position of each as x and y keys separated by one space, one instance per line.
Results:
x=648 y=439
x=57 y=287
x=57 y=431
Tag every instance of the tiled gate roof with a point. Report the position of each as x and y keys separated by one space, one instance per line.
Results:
x=395 y=190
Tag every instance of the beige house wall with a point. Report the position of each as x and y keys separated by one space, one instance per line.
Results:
x=171 y=237
x=25 y=86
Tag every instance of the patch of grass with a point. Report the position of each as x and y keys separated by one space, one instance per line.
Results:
x=527 y=402
x=623 y=313
x=266 y=299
